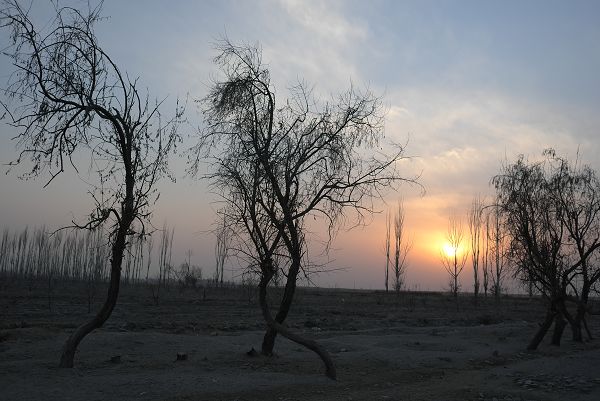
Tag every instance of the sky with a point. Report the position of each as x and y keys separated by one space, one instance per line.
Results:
x=469 y=85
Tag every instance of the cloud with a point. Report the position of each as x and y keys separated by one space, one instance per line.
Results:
x=321 y=44
x=459 y=81
x=324 y=19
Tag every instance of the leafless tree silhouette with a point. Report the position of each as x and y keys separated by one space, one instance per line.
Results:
x=552 y=213
x=475 y=231
x=402 y=246
x=498 y=249
x=222 y=248
x=387 y=248
x=454 y=261
x=486 y=257
x=165 y=254
x=69 y=94
x=278 y=164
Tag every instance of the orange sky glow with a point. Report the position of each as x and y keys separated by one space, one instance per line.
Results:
x=466 y=86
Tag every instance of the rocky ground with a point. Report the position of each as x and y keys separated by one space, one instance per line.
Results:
x=413 y=347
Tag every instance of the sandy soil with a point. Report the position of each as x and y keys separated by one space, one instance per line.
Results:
x=416 y=347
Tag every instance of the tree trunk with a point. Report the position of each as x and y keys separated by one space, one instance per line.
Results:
x=544 y=327
x=284 y=331
x=577 y=332
x=118 y=248
x=587 y=329
x=286 y=302
x=269 y=341
x=559 y=326
x=579 y=319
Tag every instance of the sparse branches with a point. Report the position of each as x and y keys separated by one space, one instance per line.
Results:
x=387 y=247
x=67 y=94
x=164 y=261
x=486 y=257
x=402 y=245
x=222 y=247
x=277 y=164
x=454 y=258
x=475 y=231
x=498 y=251
x=551 y=210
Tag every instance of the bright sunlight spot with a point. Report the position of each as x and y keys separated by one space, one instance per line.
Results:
x=449 y=250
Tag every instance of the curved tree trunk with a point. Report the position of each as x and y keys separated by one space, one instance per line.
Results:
x=286 y=302
x=68 y=353
x=116 y=261
x=284 y=331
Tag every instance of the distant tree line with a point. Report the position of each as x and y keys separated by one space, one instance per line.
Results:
x=33 y=254
x=82 y=255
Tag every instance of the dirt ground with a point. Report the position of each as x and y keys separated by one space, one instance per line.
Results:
x=413 y=347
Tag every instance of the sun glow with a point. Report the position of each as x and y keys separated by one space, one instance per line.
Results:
x=449 y=250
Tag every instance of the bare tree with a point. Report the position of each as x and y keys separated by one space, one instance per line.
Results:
x=222 y=249
x=402 y=246
x=576 y=192
x=71 y=95
x=149 y=247
x=551 y=210
x=497 y=239
x=387 y=248
x=475 y=229
x=453 y=260
x=277 y=165
x=164 y=261
x=485 y=260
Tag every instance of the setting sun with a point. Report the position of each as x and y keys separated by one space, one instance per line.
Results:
x=368 y=191
x=449 y=250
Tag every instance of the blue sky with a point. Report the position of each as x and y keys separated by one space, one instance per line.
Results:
x=468 y=83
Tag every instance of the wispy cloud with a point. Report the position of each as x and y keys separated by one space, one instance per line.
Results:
x=324 y=19
x=317 y=42
x=461 y=138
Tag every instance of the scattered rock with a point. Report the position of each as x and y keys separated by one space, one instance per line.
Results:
x=546 y=382
x=128 y=326
x=252 y=352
